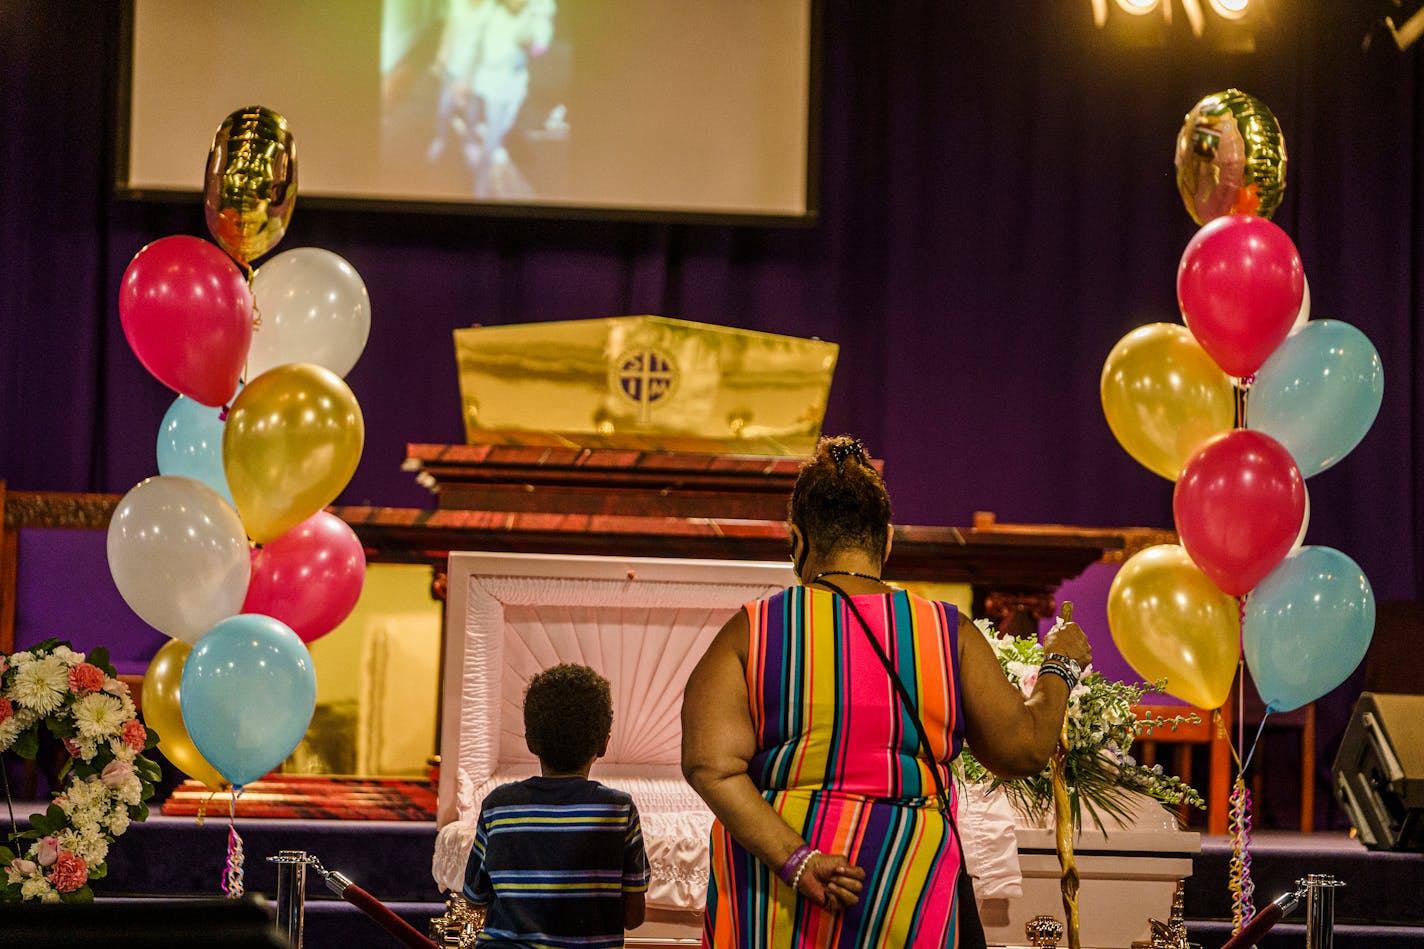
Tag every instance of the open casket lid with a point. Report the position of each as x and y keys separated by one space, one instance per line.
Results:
x=643 y=623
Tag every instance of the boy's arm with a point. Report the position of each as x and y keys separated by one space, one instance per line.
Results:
x=476 y=888
x=634 y=907
x=635 y=871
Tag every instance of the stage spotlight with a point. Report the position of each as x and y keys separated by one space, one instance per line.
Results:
x=1137 y=7
x=1230 y=9
x=1403 y=20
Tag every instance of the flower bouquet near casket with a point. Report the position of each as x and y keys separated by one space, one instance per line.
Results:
x=1103 y=777
x=103 y=785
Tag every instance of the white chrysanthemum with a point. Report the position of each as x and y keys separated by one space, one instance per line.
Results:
x=38 y=888
x=10 y=730
x=22 y=657
x=87 y=747
x=40 y=685
x=85 y=793
x=88 y=843
x=98 y=716
x=121 y=751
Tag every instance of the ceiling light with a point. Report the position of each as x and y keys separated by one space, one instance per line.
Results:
x=1137 y=7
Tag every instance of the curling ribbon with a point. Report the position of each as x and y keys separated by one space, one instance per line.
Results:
x=232 y=875
x=1242 y=888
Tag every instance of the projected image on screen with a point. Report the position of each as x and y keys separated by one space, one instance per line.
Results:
x=665 y=106
x=479 y=103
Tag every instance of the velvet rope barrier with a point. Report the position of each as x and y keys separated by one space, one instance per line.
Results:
x=1261 y=923
x=342 y=886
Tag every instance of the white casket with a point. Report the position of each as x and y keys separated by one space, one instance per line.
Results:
x=642 y=623
x=1127 y=875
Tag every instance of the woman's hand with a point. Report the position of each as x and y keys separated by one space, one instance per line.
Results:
x=1069 y=640
x=831 y=881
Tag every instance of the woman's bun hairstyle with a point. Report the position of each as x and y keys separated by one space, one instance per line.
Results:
x=840 y=500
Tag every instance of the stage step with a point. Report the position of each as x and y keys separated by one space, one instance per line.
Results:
x=1381 y=888
x=1381 y=905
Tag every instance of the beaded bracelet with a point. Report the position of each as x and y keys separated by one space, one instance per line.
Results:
x=793 y=863
x=1053 y=668
x=796 y=877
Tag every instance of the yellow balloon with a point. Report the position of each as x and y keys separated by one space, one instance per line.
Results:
x=1163 y=396
x=1231 y=157
x=1171 y=622
x=292 y=441
x=250 y=185
x=163 y=713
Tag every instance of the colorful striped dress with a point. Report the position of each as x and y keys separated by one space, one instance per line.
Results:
x=837 y=757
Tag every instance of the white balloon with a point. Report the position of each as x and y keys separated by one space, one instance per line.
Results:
x=179 y=556
x=1302 y=315
x=313 y=307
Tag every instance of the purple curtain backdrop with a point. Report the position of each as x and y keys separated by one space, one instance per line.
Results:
x=997 y=209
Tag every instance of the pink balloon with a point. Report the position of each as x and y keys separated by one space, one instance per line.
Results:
x=187 y=313
x=1239 y=504
x=1240 y=285
x=310 y=577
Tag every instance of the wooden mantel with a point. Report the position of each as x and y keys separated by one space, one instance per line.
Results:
x=1013 y=569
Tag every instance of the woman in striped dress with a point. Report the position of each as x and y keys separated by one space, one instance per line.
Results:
x=827 y=830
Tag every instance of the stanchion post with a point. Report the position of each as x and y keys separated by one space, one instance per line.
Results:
x=1320 y=910
x=291 y=893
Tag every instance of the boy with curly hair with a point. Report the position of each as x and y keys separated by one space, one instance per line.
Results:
x=558 y=859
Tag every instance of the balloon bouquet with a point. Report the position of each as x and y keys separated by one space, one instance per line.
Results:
x=1239 y=407
x=234 y=691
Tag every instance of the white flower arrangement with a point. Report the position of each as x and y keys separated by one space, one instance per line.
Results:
x=106 y=782
x=1101 y=726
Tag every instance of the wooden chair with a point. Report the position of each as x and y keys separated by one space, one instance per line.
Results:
x=1208 y=732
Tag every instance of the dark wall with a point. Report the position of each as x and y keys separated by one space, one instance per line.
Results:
x=997 y=209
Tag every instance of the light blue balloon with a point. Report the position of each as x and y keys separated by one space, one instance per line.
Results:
x=1307 y=627
x=1318 y=394
x=190 y=444
x=248 y=694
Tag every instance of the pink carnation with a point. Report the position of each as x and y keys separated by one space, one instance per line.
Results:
x=70 y=872
x=135 y=735
x=86 y=677
x=7 y=709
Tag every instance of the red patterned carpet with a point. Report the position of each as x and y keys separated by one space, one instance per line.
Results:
x=312 y=797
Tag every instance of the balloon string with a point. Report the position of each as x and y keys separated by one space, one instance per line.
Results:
x=232 y=875
x=1242 y=888
x=1256 y=741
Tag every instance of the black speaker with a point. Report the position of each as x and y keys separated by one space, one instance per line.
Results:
x=1379 y=771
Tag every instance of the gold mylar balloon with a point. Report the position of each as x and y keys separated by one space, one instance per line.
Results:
x=1171 y=622
x=1163 y=396
x=292 y=441
x=250 y=186
x=1231 y=157
x=163 y=712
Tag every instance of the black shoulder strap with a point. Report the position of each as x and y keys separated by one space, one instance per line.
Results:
x=901 y=691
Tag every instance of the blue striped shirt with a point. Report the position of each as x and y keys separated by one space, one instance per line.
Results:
x=552 y=859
